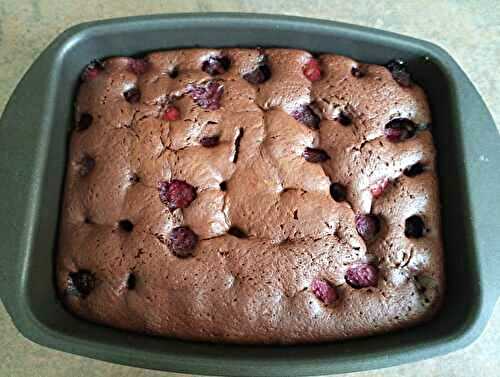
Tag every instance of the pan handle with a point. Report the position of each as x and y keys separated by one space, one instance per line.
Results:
x=23 y=126
x=482 y=163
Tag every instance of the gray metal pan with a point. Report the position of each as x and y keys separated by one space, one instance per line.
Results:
x=33 y=136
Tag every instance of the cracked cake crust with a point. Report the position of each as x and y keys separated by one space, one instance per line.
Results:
x=263 y=221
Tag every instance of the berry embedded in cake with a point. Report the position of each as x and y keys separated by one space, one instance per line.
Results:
x=251 y=196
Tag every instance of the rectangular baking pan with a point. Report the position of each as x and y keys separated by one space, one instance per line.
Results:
x=33 y=136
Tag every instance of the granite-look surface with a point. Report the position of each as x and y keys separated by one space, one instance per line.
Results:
x=26 y=27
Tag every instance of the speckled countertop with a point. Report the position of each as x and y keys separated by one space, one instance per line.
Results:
x=468 y=30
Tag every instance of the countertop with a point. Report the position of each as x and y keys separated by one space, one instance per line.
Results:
x=468 y=30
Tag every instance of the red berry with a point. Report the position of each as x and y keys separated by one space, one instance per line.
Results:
x=379 y=187
x=132 y=95
x=305 y=115
x=315 y=155
x=399 y=129
x=138 y=66
x=312 y=70
x=361 y=276
x=324 y=291
x=182 y=241
x=176 y=194
x=92 y=70
x=171 y=113
x=367 y=226
x=207 y=95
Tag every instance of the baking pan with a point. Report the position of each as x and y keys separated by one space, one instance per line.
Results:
x=33 y=136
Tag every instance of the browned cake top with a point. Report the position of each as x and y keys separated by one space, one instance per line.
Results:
x=251 y=195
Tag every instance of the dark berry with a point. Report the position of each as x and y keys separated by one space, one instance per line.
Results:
x=361 y=276
x=173 y=72
x=132 y=95
x=237 y=232
x=260 y=74
x=131 y=281
x=414 y=170
x=414 y=227
x=343 y=118
x=182 y=241
x=92 y=70
x=399 y=72
x=399 y=129
x=80 y=283
x=315 y=155
x=216 y=65
x=126 y=225
x=171 y=113
x=324 y=291
x=367 y=226
x=207 y=95
x=223 y=186
x=312 y=70
x=134 y=178
x=85 y=165
x=338 y=192
x=176 y=194
x=379 y=187
x=305 y=115
x=358 y=71
x=84 y=122
x=210 y=141
x=138 y=66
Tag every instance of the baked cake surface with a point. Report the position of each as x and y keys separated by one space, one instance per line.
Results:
x=250 y=196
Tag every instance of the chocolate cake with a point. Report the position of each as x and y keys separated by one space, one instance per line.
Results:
x=250 y=196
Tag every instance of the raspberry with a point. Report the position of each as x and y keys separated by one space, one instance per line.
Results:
x=171 y=113
x=367 y=226
x=324 y=291
x=378 y=188
x=176 y=194
x=361 y=276
x=207 y=95
x=132 y=95
x=138 y=66
x=307 y=117
x=312 y=70
x=315 y=155
x=182 y=241
x=92 y=70
x=399 y=129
